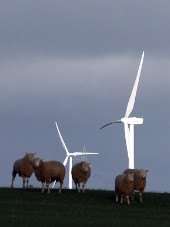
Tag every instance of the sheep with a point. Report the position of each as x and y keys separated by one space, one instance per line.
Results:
x=80 y=174
x=139 y=181
x=48 y=172
x=23 y=167
x=124 y=186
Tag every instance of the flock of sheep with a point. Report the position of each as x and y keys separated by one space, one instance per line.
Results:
x=50 y=171
x=130 y=181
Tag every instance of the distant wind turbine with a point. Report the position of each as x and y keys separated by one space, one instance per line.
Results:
x=69 y=156
x=129 y=122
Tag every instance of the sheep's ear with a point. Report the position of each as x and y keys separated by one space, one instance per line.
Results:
x=89 y=163
x=146 y=171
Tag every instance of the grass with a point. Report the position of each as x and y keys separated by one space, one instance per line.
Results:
x=20 y=207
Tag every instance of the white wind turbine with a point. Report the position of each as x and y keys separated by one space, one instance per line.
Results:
x=129 y=122
x=70 y=156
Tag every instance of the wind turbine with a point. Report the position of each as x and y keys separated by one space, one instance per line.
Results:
x=70 y=156
x=129 y=122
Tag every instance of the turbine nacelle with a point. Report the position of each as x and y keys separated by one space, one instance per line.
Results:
x=132 y=120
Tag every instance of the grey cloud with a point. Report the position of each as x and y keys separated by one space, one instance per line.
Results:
x=48 y=77
x=84 y=28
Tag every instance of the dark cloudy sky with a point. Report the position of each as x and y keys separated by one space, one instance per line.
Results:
x=75 y=62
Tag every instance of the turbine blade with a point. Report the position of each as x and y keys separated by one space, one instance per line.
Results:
x=65 y=161
x=81 y=153
x=127 y=138
x=110 y=123
x=134 y=90
x=62 y=141
x=90 y=153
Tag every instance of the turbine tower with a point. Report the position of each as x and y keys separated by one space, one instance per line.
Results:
x=129 y=122
x=69 y=156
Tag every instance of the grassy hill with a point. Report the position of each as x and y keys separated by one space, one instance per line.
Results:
x=20 y=207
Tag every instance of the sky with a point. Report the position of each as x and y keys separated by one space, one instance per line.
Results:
x=75 y=62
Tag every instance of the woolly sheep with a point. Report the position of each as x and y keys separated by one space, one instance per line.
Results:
x=48 y=172
x=139 y=180
x=80 y=174
x=23 y=167
x=124 y=186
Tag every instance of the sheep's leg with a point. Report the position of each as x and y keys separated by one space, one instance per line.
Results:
x=27 y=181
x=117 y=197
x=83 y=187
x=140 y=196
x=128 y=202
x=48 y=181
x=132 y=195
x=48 y=188
x=13 y=178
x=61 y=184
x=23 y=177
x=78 y=187
x=43 y=186
x=121 y=200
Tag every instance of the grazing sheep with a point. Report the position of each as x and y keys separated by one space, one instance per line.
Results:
x=139 y=180
x=48 y=172
x=23 y=167
x=124 y=186
x=80 y=173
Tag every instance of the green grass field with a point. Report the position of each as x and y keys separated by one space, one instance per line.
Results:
x=20 y=207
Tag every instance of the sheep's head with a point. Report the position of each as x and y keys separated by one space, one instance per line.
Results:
x=37 y=162
x=130 y=176
x=143 y=173
x=85 y=166
x=30 y=156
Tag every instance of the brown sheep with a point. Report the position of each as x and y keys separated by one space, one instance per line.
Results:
x=23 y=167
x=80 y=174
x=139 y=181
x=124 y=186
x=48 y=172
